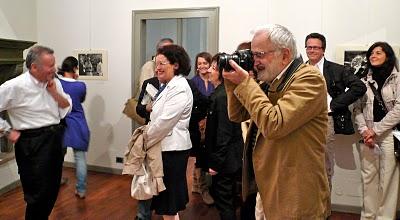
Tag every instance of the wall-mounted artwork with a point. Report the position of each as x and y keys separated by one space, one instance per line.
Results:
x=355 y=56
x=92 y=64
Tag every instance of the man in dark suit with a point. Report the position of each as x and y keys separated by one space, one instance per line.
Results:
x=144 y=110
x=343 y=89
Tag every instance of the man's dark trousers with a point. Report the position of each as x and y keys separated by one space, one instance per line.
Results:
x=39 y=157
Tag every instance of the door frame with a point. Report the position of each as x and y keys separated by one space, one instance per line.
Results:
x=139 y=18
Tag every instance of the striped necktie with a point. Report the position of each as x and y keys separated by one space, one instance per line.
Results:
x=162 y=87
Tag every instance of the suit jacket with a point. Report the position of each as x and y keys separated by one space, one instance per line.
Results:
x=141 y=109
x=169 y=120
x=289 y=154
x=338 y=78
x=223 y=137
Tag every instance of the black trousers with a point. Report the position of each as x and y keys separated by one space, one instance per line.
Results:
x=39 y=157
x=224 y=191
x=248 y=208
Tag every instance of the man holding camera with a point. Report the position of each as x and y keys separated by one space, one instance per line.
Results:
x=288 y=126
x=343 y=87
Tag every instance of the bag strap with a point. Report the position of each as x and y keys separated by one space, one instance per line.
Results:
x=378 y=97
x=380 y=102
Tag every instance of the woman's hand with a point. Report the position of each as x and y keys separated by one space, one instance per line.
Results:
x=149 y=107
x=369 y=138
x=212 y=172
x=370 y=142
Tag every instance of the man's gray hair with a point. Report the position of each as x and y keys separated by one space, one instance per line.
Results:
x=34 y=54
x=162 y=41
x=280 y=37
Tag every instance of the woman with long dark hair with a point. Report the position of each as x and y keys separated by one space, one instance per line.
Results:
x=376 y=114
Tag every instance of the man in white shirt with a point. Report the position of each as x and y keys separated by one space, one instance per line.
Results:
x=343 y=89
x=36 y=103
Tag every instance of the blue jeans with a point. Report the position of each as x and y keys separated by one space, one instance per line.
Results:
x=81 y=170
x=144 y=211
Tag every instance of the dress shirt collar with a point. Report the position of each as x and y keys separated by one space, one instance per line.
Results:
x=66 y=78
x=36 y=82
x=320 y=65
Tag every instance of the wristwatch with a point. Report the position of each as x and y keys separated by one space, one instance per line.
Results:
x=7 y=132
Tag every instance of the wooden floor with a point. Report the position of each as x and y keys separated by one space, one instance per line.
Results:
x=109 y=198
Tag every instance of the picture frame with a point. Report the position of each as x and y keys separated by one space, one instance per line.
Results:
x=93 y=64
x=354 y=56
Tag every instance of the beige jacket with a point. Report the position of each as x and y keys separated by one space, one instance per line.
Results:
x=138 y=153
x=364 y=111
x=289 y=155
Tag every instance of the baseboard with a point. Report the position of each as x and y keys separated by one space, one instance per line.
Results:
x=96 y=168
x=346 y=208
x=10 y=187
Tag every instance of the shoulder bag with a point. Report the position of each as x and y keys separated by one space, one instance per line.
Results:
x=396 y=142
x=130 y=111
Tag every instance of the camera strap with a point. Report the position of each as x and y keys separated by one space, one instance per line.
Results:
x=289 y=72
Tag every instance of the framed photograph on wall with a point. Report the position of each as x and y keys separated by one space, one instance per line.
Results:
x=93 y=64
x=355 y=56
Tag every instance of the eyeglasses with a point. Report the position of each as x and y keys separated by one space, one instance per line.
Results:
x=261 y=54
x=313 y=48
x=162 y=63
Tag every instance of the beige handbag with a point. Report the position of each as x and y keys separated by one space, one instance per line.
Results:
x=142 y=187
x=130 y=111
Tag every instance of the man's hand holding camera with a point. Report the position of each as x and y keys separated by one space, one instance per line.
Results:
x=237 y=75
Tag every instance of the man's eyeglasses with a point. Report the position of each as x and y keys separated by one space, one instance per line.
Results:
x=313 y=48
x=261 y=54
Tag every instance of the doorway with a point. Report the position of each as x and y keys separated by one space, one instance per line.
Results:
x=194 y=29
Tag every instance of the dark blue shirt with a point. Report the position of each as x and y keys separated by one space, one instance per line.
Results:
x=199 y=83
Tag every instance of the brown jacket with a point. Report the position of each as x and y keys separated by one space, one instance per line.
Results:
x=289 y=156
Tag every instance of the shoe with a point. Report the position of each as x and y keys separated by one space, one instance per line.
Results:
x=207 y=198
x=64 y=180
x=80 y=195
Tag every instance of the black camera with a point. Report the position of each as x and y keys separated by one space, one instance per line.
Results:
x=242 y=57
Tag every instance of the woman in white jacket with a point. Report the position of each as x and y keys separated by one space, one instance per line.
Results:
x=376 y=114
x=169 y=123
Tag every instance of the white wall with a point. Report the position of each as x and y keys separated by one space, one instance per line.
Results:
x=102 y=24
x=18 y=20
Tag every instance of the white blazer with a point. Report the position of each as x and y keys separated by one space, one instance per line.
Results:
x=169 y=119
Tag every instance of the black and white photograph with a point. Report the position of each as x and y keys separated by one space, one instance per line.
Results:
x=357 y=60
x=92 y=64
x=353 y=56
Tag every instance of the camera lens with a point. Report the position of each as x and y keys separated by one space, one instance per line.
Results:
x=223 y=62
x=243 y=58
